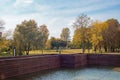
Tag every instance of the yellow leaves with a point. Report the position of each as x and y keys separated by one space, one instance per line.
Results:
x=77 y=38
x=104 y=26
x=95 y=39
x=48 y=44
x=96 y=32
x=98 y=27
x=3 y=43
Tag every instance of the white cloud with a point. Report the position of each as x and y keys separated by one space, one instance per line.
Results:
x=27 y=1
x=12 y=20
x=22 y=3
x=42 y=8
x=106 y=15
x=54 y=24
x=85 y=9
x=57 y=16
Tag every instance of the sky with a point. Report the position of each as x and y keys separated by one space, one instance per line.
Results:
x=56 y=14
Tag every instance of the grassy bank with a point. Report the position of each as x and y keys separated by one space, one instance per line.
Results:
x=65 y=51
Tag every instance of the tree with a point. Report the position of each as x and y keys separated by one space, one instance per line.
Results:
x=77 y=38
x=111 y=35
x=45 y=33
x=5 y=42
x=28 y=36
x=56 y=43
x=2 y=40
x=65 y=35
x=4 y=45
x=44 y=36
x=53 y=43
x=97 y=28
x=80 y=25
x=24 y=36
x=48 y=44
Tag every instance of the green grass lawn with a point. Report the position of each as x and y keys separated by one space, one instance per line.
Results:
x=65 y=51
x=4 y=54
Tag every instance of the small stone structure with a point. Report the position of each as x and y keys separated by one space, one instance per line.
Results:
x=15 y=66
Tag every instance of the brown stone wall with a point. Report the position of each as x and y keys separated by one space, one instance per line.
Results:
x=13 y=66
x=103 y=59
x=73 y=60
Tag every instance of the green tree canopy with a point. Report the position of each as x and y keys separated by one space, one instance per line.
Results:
x=28 y=36
x=65 y=34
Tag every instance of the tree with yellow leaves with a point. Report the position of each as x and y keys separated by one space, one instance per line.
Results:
x=81 y=24
x=97 y=28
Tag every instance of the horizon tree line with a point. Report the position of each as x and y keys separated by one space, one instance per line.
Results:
x=102 y=36
x=97 y=35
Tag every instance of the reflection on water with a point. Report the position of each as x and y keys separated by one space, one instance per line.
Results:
x=73 y=74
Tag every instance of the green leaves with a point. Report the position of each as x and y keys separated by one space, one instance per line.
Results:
x=28 y=36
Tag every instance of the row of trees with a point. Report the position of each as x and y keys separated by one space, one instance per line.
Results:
x=29 y=36
x=95 y=34
x=88 y=34
x=60 y=43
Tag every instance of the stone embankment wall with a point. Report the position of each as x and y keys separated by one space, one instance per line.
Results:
x=103 y=59
x=15 y=66
x=73 y=60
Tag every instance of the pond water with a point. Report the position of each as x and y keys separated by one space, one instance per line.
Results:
x=90 y=73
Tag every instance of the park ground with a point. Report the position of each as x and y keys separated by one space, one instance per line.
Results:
x=65 y=51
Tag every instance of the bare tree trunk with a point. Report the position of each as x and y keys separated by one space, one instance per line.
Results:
x=83 y=48
x=28 y=49
x=42 y=51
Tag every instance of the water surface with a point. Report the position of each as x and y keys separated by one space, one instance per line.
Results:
x=91 y=73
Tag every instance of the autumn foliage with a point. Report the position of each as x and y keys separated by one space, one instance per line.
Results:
x=97 y=35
